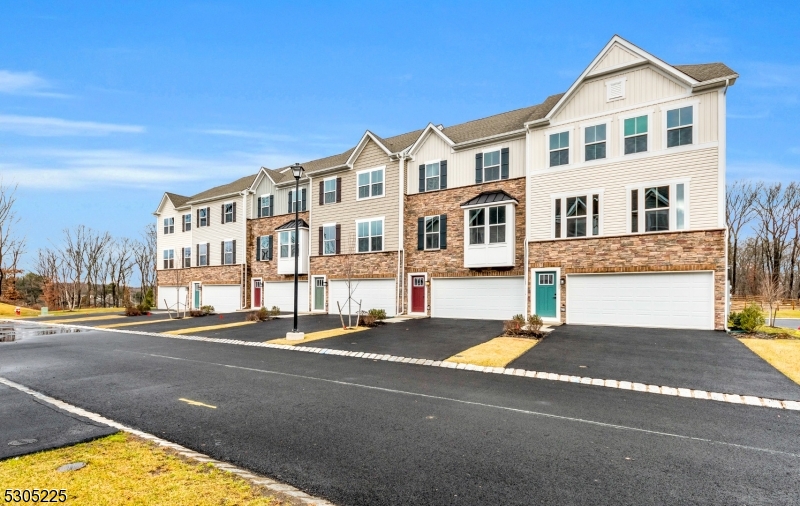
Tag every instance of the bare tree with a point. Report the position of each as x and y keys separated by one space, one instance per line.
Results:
x=772 y=291
x=739 y=211
x=48 y=266
x=146 y=259
x=8 y=222
x=348 y=262
x=777 y=209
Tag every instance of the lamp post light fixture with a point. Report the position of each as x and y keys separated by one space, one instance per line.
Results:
x=297 y=172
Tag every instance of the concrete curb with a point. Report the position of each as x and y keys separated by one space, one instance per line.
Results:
x=607 y=383
x=270 y=484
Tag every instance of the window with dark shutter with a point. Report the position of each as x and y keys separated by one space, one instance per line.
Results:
x=320 y=241
x=269 y=248
x=322 y=193
x=504 y=163
x=222 y=251
x=234 y=212
x=421 y=233
x=291 y=194
x=303 y=199
x=338 y=238
x=338 y=189
x=234 y=249
x=222 y=212
x=443 y=231
x=259 y=207
x=443 y=174
x=198 y=255
x=422 y=178
x=479 y=168
x=271 y=205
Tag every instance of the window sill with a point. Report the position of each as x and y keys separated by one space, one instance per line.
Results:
x=358 y=199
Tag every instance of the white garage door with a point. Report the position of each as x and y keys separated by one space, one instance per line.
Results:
x=672 y=300
x=496 y=298
x=281 y=294
x=173 y=296
x=373 y=294
x=224 y=298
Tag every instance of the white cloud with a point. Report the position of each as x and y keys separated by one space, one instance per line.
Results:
x=767 y=171
x=38 y=126
x=26 y=83
x=247 y=135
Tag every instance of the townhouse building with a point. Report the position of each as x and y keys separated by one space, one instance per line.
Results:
x=601 y=205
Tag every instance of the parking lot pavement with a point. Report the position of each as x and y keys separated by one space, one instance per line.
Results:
x=28 y=426
x=277 y=328
x=699 y=359
x=428 y=338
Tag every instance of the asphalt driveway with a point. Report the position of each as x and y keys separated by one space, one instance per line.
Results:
x=428 y=338
x=699 y=359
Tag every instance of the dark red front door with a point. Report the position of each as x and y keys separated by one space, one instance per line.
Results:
x=417 y=294
x=257 y=293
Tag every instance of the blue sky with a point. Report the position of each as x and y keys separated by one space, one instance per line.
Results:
x=106 y=105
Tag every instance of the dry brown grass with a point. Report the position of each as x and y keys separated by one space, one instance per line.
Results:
x=782 y=354
x=498 y=352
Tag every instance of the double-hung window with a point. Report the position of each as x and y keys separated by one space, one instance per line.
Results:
x=187 y=257
x=658 y=208
x=679 y=126
x=330 y=190
x=431 y=176
x=297 y=200
x=370 y=235
x=169 y=226
x=202 y=254
x=187 y=222
x=169 y=258
x=264 y=206
x=263 y=248
x=577 y=216
x=370 y=183
x=432 y=232
x=559 y=149
x=227 y=257
x=491 y=165
x=227 y=210
x=202 y=214
x=635 y=130
x=287 y=243
x=329 y=240
x=595 y=142
x=496 y=225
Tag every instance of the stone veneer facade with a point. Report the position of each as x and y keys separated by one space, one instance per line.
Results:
x=449 y=262
x=381 y=265
x=664 y=252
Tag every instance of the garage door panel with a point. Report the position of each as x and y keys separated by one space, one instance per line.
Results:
x=224 y=298
x=282 y=295
x=490 y=298
x=172 y=295
x=671 y=300
x=373 y=294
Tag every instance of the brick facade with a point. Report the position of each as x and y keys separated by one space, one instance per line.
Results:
x=450 y=261
x=381 y=265
x=674 y=251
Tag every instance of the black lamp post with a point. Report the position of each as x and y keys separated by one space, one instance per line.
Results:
x=297 y=172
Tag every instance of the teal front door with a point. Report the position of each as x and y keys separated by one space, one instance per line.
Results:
x=197 y=295
x=546 y=294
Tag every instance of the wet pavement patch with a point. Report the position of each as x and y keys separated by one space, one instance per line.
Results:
x=15 y=331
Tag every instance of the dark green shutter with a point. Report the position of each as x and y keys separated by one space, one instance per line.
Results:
x=303 y=199
x=443 y=231
x=479 y=168
x=234 y=212
x=443 y=174
x=259 y=207
x=504 y=163
x=269 y=247
x=290 y=202
x=272 y=205
x=422 y=178
x=420 y=233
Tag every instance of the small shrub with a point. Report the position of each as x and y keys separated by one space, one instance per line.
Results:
x=751 y=318
x=367 y=320
x=275 y=311
x=197 y=312
x=133 y=311
x=144 y=307
x=535 y=324
x=734 y=320
x=378 y=314
x=514 y=326
x=263 y=314
x=207 y=309
x=252 y=316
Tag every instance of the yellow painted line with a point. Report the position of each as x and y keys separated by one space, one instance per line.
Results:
x=129 y=324
x=498 y=352
x=196 y=403
x=86 y=319
x=193 y=330
x=316 y=336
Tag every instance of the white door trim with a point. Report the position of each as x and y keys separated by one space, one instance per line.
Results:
x=411 y=287
x=253 y=293
x=535 y=271
x=192 y=284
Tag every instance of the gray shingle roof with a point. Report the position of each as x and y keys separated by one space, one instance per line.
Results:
x=289 y=225
x=707 y=71
x=177 y=200
x=489 y=198
x=239 y=185
x=400 y=142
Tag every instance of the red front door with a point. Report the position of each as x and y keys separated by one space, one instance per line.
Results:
x=417 y=294
x=257 y=293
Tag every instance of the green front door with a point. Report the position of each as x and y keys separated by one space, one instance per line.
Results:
x=546 y=294
x=197 y=295
x=319 y=294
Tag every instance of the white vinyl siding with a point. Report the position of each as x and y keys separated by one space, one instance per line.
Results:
x=216 y=232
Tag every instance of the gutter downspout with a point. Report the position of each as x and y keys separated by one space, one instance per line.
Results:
x=243 y=298
x=310 y=291
x=400 y=250
x=724 y=130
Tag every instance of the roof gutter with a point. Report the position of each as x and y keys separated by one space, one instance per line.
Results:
x=537 y=123
x=216 y=197
x=715 y=83
x=331 y=169
x=492 y=138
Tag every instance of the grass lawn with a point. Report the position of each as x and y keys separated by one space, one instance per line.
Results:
x=8 y=310
x=88 y=310
x=497 y=352
x=766 y=329
x=122 y=469
x=788 y=313
x=782 y=354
